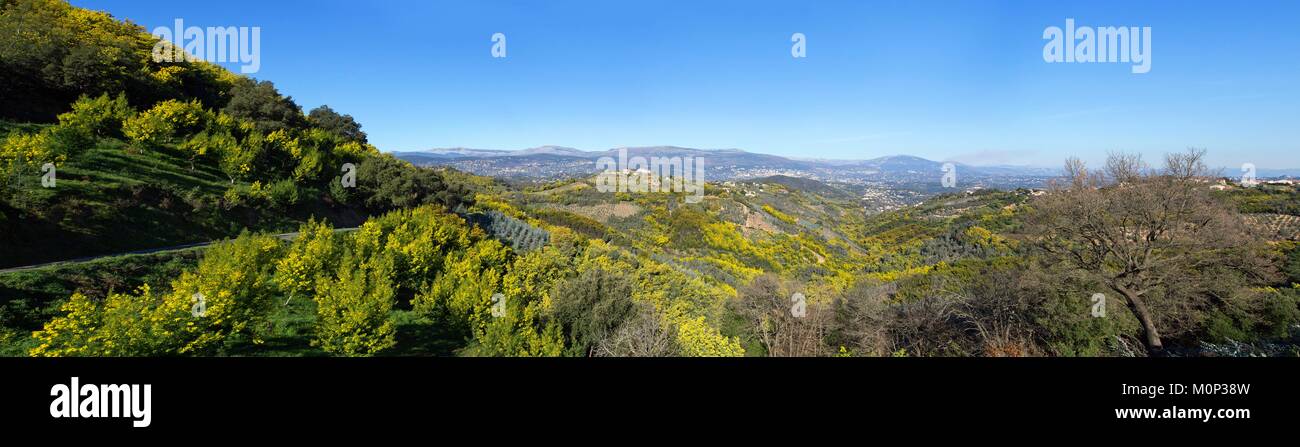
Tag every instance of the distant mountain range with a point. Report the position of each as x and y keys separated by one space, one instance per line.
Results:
x=898 y=171
x=550 y=162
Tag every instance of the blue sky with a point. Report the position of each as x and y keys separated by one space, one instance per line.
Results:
x=945 y=80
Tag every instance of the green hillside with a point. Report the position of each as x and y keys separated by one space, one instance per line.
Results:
x=154 y=154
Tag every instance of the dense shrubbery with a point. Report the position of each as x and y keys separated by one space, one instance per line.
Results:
x=353 y=307
x=385 y=183
x=229 y=293
x=261 y=103
x=429 y=261
x=344 y=126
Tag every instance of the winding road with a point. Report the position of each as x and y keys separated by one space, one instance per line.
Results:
x=283 y=236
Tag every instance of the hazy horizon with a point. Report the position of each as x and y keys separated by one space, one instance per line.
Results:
x=1152 y=161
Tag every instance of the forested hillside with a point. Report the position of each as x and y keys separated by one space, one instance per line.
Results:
x=1123 y=260
x=150 y=154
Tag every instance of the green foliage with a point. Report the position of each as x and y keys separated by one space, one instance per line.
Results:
x=577 y=272
x=1072 y=330
x=1291 y=263
x=204 y=143
x=1255 y=315
x=88 y=328
x=261 y=103
x=312 y=256
x=165 y=122
x=461 y=294
x=520 y=234
x=101 y=116
x=285 y=194
x=420 y=242
x=325 y=118
x=779 y=215
x=591 y=306
x=90 y=119
x=27 y=151
x=523 y=328
x=586 y=226
x=228 y=293
x=238 y=161
x=1280 y=199
x=352 y=309
x=235 y=281
x=698 y=338
x=387 y=183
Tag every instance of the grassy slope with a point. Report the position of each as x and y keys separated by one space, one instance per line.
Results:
x=111 y=199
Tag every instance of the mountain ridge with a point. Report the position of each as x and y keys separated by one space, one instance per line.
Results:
x=670 y=150
x=554 y=162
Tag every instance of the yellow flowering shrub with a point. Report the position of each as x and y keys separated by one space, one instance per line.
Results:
x=522 y=330
x=312 y=255
x=23 y=150
x=463 y=290
x=353 y=307
x=697 y=338
x=166 y=121
x=101 y=116
x=229 y=292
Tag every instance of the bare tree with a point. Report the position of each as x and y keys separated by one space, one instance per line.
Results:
x=998 y=314
x=861 y=319
x=782 y=328
x=1137 y=231
x=644 y=335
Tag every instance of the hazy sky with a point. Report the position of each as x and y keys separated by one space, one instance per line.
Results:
x=946 y=80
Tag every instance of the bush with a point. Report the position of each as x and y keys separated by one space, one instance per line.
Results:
x=100 y=117
x=204 y=143
x=352 y=309
x=21 y=149
x=232 y=282
x=251 y=195
x=284 y=194
x=523 y=329
x=164 y=122
x=591 y=306
x=461 y=294
x=312 y=256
